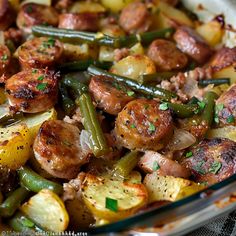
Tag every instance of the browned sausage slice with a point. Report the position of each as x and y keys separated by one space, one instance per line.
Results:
x=110 y=95
x=223 y=58
x=166 y=55
x=226 y=106
x=86 y=21
x=192 y=44
x=32 y=14
x=57 y=148
x=135 y=18
x=212 y=160
x=40 y=52
x=142 y=125
x=32 y=91
x=7 y=15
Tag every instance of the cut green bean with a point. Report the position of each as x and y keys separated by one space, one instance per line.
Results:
x=68 y=104
x=183 y=110
x=216 y=82
x=91 y=124
x=156 y=78
x=34 y=182
x=9 y=119
x=73 y=83
x=83 y=65
x=145 y=89
x=208 y=112
x=73 y=36
x=11 y=204
x=126 y=164
x=20 y=223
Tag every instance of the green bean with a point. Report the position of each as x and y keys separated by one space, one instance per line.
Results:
x=20 y=223
x=126 y=164
x=34 y=182
x=91 y=124
x=145 y=89
x=216 y=82
x=83 y=65
x=74 y=84
x=73 y=36
x=157 y=77
x=9 y=119
x=68 y=104
x=183 y=110
x=208 y=112
x=10 y=205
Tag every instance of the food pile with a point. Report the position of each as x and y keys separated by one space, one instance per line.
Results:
x=109 y=108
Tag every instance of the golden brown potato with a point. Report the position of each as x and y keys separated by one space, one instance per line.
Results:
x=142 y=125
x=32 y=91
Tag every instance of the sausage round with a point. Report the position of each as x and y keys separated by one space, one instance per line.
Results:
x=166 y=55
x=85 y=21
x=135 y=18
x=109 y=95
x=226 y=106
x=40 y=52
x=189 y=42
x=7 y=15
x=212 y=160
x=142 y=125
x=57 y=148
x=32 y=14
x=32 y=91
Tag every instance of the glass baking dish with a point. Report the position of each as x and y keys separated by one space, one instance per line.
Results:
x=185 y=215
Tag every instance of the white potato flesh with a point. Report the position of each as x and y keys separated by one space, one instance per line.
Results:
x=115 y=5
x=80 y=7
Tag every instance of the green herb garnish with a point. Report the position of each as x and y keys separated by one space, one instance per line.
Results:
x=42 y=86
x=111 y=204
x=164 y=106
x=230 y=119
x=155 y=166
x=41 y=77
x=151 y=127
x=201 y=105
x=4 y=57
x=132 y=126
x=130 y=93
x=189 y=154
x=215 y=167
x=199 y=168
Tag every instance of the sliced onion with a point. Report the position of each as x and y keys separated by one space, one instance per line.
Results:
x=181 y=139
x=190 y=87
x=85 y=143
x=2 y=40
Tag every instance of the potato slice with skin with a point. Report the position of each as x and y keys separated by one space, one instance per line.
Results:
x=129 y=196
x=83 y=6
x=14 y=146
x=228 y=132
x=133 y=66
x=47 y=210
x=169 y=188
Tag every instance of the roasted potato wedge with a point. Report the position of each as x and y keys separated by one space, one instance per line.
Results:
x=133 y=66
x=47 y=210
x=14 y=145
x=226 y=72
x=228 y=132
x=126 y=195
x=169 y=188
x=83 y=6
x=115 y=5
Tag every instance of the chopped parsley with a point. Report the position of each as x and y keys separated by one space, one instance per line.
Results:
x=215 y=167
x=151 y=127
x=199 y=168
x=4 y=57
x=216 y=119
x=189 y=154
x=230 y=119
x=130 y=93
x=27 y=223
x=42 y=86
x=34 y=71
x=41 y=77
x=164 y=106
x=219 y=107
x=155 y=166
x=201 y=105
x=132 y=126
x=111 y=204
x=49 y=43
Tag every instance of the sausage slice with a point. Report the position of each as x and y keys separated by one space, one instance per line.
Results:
x=142 y=125
x=57 y=148
x=110 y=95
x=189 y=42
x=166 y=55
x=40 y=52
x=7 y=15
x=32 y=91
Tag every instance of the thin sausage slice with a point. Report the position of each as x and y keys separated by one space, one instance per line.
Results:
x=142 y=125
x=6 y=14
x=57 y=148
x=166 y=55
x=135 y=18
x=32 y=14
x=192 y=44
x=212 y=160
x=109 y=95
x=40 y=52
x=86 y=21
x=32 y=91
